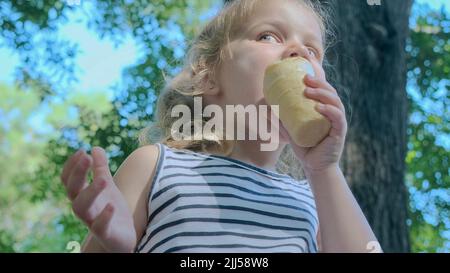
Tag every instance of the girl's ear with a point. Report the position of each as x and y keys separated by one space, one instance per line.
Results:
x=211 y=88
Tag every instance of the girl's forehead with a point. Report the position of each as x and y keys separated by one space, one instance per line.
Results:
x=289 y=10
x=290 y=13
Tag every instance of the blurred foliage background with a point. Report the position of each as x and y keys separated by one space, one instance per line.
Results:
x=36 y=217
x=428 y=173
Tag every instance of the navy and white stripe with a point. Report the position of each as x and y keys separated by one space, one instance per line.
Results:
x=208 y=203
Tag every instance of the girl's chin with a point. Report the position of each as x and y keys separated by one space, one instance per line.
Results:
x=284 y=135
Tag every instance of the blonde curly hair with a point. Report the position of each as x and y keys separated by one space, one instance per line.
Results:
x=203 y=58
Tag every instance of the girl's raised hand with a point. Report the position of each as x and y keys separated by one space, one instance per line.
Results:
x=100 y=205
x=327 y=153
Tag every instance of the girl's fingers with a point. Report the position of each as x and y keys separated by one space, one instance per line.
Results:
x=83 y=203
x=101 y=224
x=69 y=164
x=311 y=81
x=314 y=82
x=78 y=177
x=100 y=167
x=336 y=117
x=325 y=97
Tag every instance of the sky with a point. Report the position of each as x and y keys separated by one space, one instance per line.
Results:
x=100 y=62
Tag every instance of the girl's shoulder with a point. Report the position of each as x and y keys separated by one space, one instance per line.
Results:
x=140 y=163
x=134 y=179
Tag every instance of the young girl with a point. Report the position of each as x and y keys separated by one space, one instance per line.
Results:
x=212 y=195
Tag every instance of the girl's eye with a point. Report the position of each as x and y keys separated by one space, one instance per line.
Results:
x=312 y=52
x=268 y=37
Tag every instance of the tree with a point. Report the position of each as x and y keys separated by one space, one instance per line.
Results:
x=375 y=45
x=31 y=204
x=47 y=70
x=370 y=61
x=368 y=67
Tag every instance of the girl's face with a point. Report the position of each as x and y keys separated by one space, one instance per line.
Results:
x=275 y=30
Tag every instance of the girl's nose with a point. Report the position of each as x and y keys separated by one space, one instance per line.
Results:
x=296 y=51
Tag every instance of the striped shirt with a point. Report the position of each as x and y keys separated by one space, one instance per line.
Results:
x=208 y=203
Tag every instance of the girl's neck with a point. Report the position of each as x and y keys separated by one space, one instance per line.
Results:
x=250 y=152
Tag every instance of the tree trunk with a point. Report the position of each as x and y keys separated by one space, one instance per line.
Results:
x=369 y=60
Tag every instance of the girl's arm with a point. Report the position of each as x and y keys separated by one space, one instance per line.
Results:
x=343 y=226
